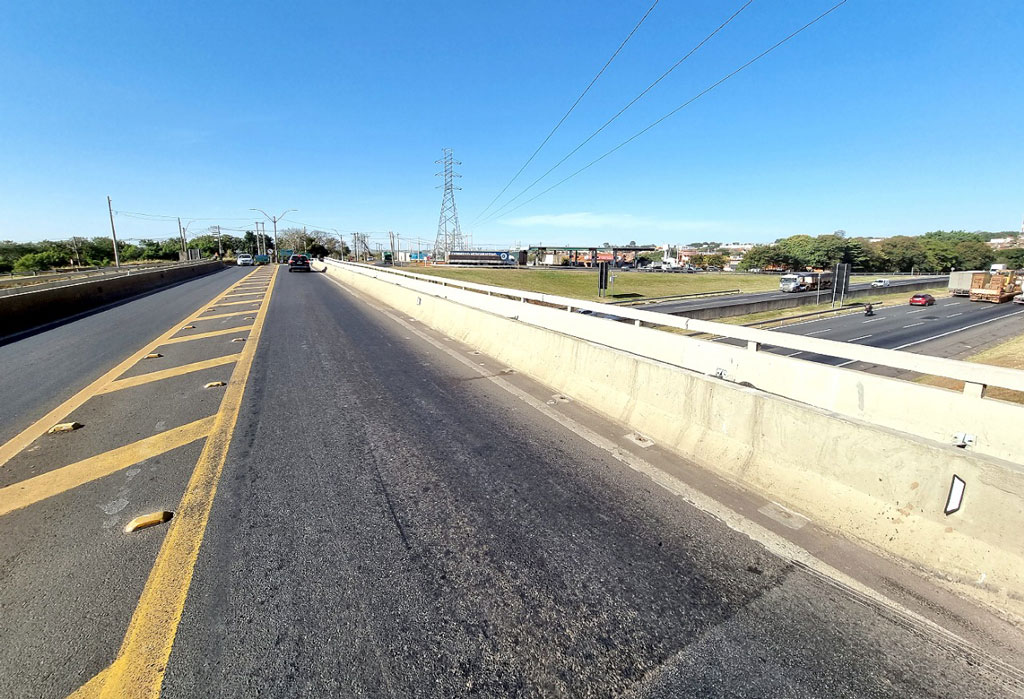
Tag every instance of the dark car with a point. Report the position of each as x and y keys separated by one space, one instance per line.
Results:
x=922 y=300
x=298 y=262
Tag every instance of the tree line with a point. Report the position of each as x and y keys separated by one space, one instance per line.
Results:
x=933 y=252
x=75 y=252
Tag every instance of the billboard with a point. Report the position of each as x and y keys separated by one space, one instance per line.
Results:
x=481 y=257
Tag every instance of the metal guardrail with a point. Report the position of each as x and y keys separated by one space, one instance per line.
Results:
x=976 y=377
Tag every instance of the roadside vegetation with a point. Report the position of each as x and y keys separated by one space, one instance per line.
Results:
x=935 y=252
x=76 y=252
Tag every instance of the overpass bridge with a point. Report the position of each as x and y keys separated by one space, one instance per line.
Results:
x=380 y=483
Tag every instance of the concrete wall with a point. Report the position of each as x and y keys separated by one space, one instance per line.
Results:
x=871 y=481
x=805 y=298
x=30 y=309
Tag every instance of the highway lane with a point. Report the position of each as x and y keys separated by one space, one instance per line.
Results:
x=392 y=522
x=42 y=370
x=953 y=327
x=679 y=307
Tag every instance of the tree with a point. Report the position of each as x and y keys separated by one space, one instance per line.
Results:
x=973 y=255
x=39 y=261
x=1013 y=257
x=902 y=253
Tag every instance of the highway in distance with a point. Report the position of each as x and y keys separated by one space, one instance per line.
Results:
x=366 y=508
x=953 y=327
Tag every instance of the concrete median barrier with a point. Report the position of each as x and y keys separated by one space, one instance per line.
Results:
x=861 y=463
x=31 y=309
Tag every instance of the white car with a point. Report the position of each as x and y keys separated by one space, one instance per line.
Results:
x=880 y=283
x=243 y=260
x=1019 y=298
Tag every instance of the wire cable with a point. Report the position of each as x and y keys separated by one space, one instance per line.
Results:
x=566 y=115
x=621 y=111
x=684 y=104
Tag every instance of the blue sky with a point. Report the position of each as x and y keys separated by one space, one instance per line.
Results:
x=884 y=118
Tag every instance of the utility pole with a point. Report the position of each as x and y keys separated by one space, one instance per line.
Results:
x=113 y=234
x=391 y=235
x=274 y=220
x=220 y=246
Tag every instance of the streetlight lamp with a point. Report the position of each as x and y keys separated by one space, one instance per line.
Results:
x=274 y=220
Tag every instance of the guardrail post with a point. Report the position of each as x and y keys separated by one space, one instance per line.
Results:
x=638 y=323
x=974 y=390
x=753 y=346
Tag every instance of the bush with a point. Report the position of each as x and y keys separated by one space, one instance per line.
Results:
x=39 y=261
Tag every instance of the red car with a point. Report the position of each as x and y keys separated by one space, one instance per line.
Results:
x=922 y=300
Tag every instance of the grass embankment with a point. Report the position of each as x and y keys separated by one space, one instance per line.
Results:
x=582 y=284
x=1008 y=354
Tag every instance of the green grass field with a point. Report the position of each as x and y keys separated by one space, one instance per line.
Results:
x=582 y=284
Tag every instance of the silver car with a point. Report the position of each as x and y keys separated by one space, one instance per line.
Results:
x=243 y=260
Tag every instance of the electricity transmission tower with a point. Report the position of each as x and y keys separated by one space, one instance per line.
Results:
x=449 y=235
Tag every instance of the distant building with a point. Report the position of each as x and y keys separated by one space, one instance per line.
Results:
x=1014 y=241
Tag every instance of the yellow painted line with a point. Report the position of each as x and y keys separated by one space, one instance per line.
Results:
x=39 y=427
x=238 y=303
x=167 y=373
x=46 y=485
x=248 y=293
x=211 y=333
x=91 y=689
x=138 y=670
x=223 y=315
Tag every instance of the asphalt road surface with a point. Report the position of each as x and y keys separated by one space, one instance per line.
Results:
x=954 y=328
x=398 y=516
x=680 y=307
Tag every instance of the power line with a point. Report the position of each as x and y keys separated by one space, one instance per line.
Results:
x=164 y=217
x=684 y=104
x=566 y=115
x=630 y=104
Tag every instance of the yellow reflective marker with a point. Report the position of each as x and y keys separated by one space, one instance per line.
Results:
x=40 y=426
x=139 y=668
x=64 y=427
x=46 y=485
x=153 y=355
x=189 y=327
x=150 y=520
x=215 y=384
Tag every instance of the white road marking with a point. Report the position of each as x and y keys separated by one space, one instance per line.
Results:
x=873 y=320
x=862 y=337
x=958 y=330
x=818 y=332
x=913 y=324
x=917 y=311
x=955 y=303
x=954 y=315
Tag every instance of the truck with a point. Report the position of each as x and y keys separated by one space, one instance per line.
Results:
x=961 y=283
x=1000 y=288
x=805 y=281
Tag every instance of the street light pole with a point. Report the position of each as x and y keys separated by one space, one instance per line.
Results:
x=274 y=220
